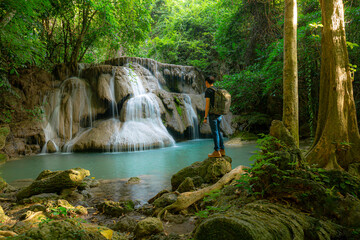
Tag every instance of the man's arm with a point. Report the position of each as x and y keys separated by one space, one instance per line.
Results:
x=207 y=107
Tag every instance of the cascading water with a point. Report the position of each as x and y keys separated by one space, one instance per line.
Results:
x=123 y=106
x=65 y=110
x=143 y=127
x=192 y=117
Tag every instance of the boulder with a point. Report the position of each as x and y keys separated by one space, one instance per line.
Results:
x=3 y=185
x=262 y=220
x=54 y=182
x=209 y=171
x=165 y=200
x=133 y=180
x=70 y=229
x=4 y=132
x=115 y=209
x=186 y=186
x=125 y=224
x=51 y=147
x=148 y=226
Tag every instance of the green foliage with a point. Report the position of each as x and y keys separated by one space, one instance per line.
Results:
x=6 y=116
x=37 y=113
x=211 y=197
x=177 y=105
x=59 y=211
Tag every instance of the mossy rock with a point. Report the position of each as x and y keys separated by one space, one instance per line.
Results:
x=210 y=170
x=3 y=184
x=148 y=226
x=116 y=209
x=165 y=200
x=4 y=132
x=186 y=186
x=264 y=221
x=68 y=229
x=3 y=158
x=125 y=224
x=54 y=182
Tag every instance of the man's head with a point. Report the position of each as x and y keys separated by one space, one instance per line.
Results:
x=209 y=81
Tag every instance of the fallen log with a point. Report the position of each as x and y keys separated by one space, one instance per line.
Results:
x=186 y=199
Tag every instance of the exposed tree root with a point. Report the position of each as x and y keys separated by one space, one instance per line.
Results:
x=186 y=199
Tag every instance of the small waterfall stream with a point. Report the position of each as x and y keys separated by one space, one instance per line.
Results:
x=143 y=127
x=192 y=117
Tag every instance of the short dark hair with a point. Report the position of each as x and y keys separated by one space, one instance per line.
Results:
x=210 y=79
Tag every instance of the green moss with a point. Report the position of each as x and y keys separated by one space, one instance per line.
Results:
x=177 y=105
x=4 y=132
x=246 y=136
x=179 y=110
x=3 y=158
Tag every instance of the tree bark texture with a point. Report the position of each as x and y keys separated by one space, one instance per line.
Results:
x=290 y=71
x=337 y=141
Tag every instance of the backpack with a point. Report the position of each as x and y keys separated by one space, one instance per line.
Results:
x=222 y=102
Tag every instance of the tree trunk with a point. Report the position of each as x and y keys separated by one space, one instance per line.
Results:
x=290 y=78
x=337 y=141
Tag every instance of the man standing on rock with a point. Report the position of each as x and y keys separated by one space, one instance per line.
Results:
x=214 y=119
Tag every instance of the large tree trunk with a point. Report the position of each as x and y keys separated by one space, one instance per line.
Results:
x=290 y=78
x=337 y=141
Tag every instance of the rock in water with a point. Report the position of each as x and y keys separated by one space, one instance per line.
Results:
x=209 y=171
x=54 y=182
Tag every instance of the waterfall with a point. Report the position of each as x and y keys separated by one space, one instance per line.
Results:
x=65 y=110
x=114 y=109
x=143 y=127
x=192 y=117
x=125 y=104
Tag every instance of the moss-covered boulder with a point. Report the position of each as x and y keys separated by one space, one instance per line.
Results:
x=70 y=229
x=116 y=209
x=148 y=226
x=165 y=200
x=262 y=220
x=133 y=180
x=3 y=184
x=209 y=171
x=186 y=186
x=4 y=132
x=125 y=224
x=3 y=158
x=54 y=182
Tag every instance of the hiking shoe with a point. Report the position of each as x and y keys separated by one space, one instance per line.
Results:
x=215 y=154
x=222 y=152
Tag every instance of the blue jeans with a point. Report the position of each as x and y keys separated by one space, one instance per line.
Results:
x=215 y=130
